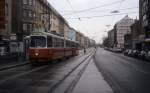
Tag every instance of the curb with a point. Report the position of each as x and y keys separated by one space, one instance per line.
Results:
x=13 y=66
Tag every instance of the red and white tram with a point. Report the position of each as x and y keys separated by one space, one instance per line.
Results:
x=49 y=47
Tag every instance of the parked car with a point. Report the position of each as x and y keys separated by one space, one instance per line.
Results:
x=142 y=54
x=106 y=48
x=111 y=49
x=147 y=57
x=117 y=50
x=126 y=52
x=135 y=53
x=130 y=52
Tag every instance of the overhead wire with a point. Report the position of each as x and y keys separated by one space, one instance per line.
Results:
x=89 y=17
x=73 y=9
x=104 y=10
x=89 y=9
x=118 y=9
x=104 y=5
x=76 y=14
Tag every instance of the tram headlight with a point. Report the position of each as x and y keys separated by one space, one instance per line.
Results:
x=36 y=54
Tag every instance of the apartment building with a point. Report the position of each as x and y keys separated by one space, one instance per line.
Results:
x=5 y=18
x=72 y=34
x=112 y=38
x=144 y=16
x=136 y=33
x=123 y=28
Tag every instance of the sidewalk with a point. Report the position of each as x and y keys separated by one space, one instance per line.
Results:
x=5 y=64
x=92 y=81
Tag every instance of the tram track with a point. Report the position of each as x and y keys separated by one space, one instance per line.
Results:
x=24 y=72
x=53 y=88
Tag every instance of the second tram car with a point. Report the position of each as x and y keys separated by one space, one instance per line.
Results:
x=51 y=47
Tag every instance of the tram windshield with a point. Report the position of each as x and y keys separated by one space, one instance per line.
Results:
x=38 y=41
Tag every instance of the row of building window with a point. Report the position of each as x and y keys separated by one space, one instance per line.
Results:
x=28 y=13
x=58 y=42
x=29 y=2
x=27 y=27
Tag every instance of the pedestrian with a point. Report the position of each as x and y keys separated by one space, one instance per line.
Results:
x=84 y=50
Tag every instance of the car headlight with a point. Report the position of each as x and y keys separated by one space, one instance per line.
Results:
x=36 y=54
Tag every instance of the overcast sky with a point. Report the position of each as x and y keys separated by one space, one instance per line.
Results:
x=91 y=17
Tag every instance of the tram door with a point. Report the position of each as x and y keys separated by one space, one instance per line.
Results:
x=26 y=47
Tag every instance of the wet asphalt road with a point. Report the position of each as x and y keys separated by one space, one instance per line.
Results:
x=124 y=74
x=40 y=78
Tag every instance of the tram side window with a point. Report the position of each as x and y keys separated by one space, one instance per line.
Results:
x=67 y=43
x=70 y=43
x=54 y=42
x=62 y=43
x=49 y=41
x=57 y=42
x=74 y=45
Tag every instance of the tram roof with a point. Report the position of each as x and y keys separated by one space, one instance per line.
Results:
x=45 y=34
x=48 y=34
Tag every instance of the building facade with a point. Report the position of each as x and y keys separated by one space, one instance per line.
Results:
x=22 y=17
x=66 y=30
x=55 y=23
x=72 y=34
x=127 y=41
x=5 y=18
x=123 y=28
x=136 y=33
x=80 y=39
x=86 y=42
x=144 y=16
x=112 y=38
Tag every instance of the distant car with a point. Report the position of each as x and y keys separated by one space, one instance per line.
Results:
x=147 y=57
x=142 y=54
